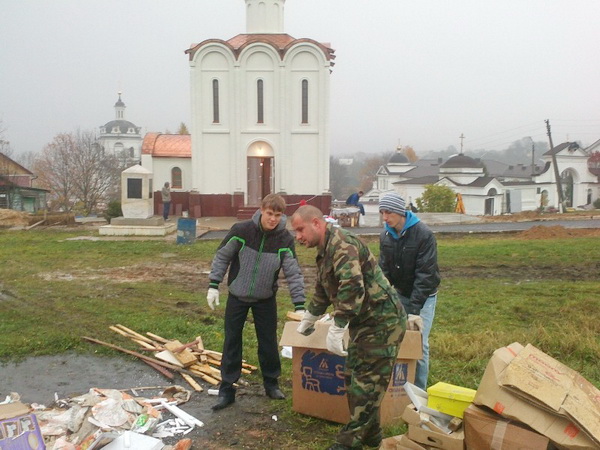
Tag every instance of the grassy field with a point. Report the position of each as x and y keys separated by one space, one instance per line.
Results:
x=495 y=290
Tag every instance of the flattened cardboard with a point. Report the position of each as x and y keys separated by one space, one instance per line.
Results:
x=504 y=401
x=318 y=387
x=544 y=381
x=486 y=429
x=13 y=409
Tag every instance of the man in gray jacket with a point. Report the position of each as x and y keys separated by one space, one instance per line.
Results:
x=255 y=251
x=408 y=257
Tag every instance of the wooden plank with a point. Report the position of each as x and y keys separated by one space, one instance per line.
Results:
x=145 y=344
x=139 y=355
x=133 y=333
x=183 y=346
x=192 y=382
x=167 y=356
x=293 y=315
x=200 y=347
x=156 y=337
x=185 y=356
x=160 y=369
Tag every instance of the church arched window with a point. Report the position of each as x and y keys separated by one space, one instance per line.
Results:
x=215 y=86
x=260 y=102
x=304 y=101
x=176 y=178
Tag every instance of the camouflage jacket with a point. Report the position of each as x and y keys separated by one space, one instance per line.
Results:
x=349 y=278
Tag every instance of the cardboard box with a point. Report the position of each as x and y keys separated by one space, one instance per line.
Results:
x=431 y=437
x=318 y=387
x=486 y=429
x=401 y=442
x=539 y=374
x=19 y=429
x=449 y=399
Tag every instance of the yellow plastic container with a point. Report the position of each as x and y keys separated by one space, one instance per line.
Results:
x=450 y=399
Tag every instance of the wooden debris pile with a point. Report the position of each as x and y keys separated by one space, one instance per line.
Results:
x=191 y=360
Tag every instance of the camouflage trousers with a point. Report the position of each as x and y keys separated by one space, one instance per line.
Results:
x=372 y=352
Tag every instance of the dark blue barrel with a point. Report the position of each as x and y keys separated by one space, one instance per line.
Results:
x=186 y=231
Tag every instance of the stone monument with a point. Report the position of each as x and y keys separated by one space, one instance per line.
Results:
x=137 y=205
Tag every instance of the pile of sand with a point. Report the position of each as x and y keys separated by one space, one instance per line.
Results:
x=557 y=231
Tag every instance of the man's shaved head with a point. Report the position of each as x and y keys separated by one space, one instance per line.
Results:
x=308 y=213
x=309 y=226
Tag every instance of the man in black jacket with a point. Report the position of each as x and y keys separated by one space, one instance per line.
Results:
x=408 y=257
x=255 y=251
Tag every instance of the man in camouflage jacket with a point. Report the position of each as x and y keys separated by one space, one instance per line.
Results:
x=350 y=279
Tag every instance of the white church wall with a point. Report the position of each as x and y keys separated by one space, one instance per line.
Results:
x=303 y=174
x=162 y=172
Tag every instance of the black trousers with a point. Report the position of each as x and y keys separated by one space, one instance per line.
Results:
x=264 y=313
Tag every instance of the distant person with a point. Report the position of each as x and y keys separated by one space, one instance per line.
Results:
x=412 y=207
x=350 y=280
x=255 y=251
x=408 y=257
x=166 y=199
x=353 y=200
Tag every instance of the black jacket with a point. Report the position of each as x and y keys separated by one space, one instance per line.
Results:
x=409 y=261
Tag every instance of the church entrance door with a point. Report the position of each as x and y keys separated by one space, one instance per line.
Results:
x=260 y=179
x=260 y=172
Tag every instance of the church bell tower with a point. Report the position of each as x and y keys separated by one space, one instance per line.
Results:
x=264 y=16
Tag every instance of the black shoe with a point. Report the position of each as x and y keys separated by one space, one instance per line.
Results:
x=275 y=393
x=224 y=402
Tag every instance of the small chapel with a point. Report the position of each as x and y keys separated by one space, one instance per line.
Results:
x=259 y=120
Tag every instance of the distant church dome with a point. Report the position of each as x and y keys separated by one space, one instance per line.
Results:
x=121 y=127
x=398 y=158
x=461 y=161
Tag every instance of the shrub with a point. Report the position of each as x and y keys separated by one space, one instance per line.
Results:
x=113 y=210
x=597 y=203
x=437 y=199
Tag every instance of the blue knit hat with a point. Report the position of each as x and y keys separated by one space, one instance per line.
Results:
x=393 y=203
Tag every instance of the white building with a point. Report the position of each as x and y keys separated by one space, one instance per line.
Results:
x=492 y=188
x=260 y=112
x=121 y=137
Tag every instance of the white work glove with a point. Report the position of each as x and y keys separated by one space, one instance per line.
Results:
x=307 y=324
x=414 y=322
x=212 y=297
x=335 y=340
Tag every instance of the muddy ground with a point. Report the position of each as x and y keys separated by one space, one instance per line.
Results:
x=254 y=422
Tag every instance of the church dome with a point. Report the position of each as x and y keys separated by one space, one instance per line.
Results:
x=123 y=127
x=398 y=158
x=461 y=162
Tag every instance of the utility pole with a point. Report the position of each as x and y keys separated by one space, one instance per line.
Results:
x=561 y=206
x=461 y=137
x=532 y=157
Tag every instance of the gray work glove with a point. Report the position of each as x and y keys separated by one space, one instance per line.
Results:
x=307 y=324
x=335 y=340
x=212 y=297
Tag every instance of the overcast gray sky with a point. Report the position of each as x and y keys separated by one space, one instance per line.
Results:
x=417 y=73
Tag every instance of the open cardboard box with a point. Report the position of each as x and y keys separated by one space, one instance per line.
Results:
x=425 y=432
x=19 y=428
x=318 y=387
x=525 y=384
x=486 y=429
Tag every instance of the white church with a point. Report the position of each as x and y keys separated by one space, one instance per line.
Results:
x=260 y=121
x=491 y=188
x=121 y=137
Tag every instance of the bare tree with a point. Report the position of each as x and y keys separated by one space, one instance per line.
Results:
x=54 y=168
x=94 y=172
x=75 y=168
x=7 y=171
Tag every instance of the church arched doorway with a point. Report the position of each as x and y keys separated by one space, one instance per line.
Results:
x=566 y=180
x=260 y=172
